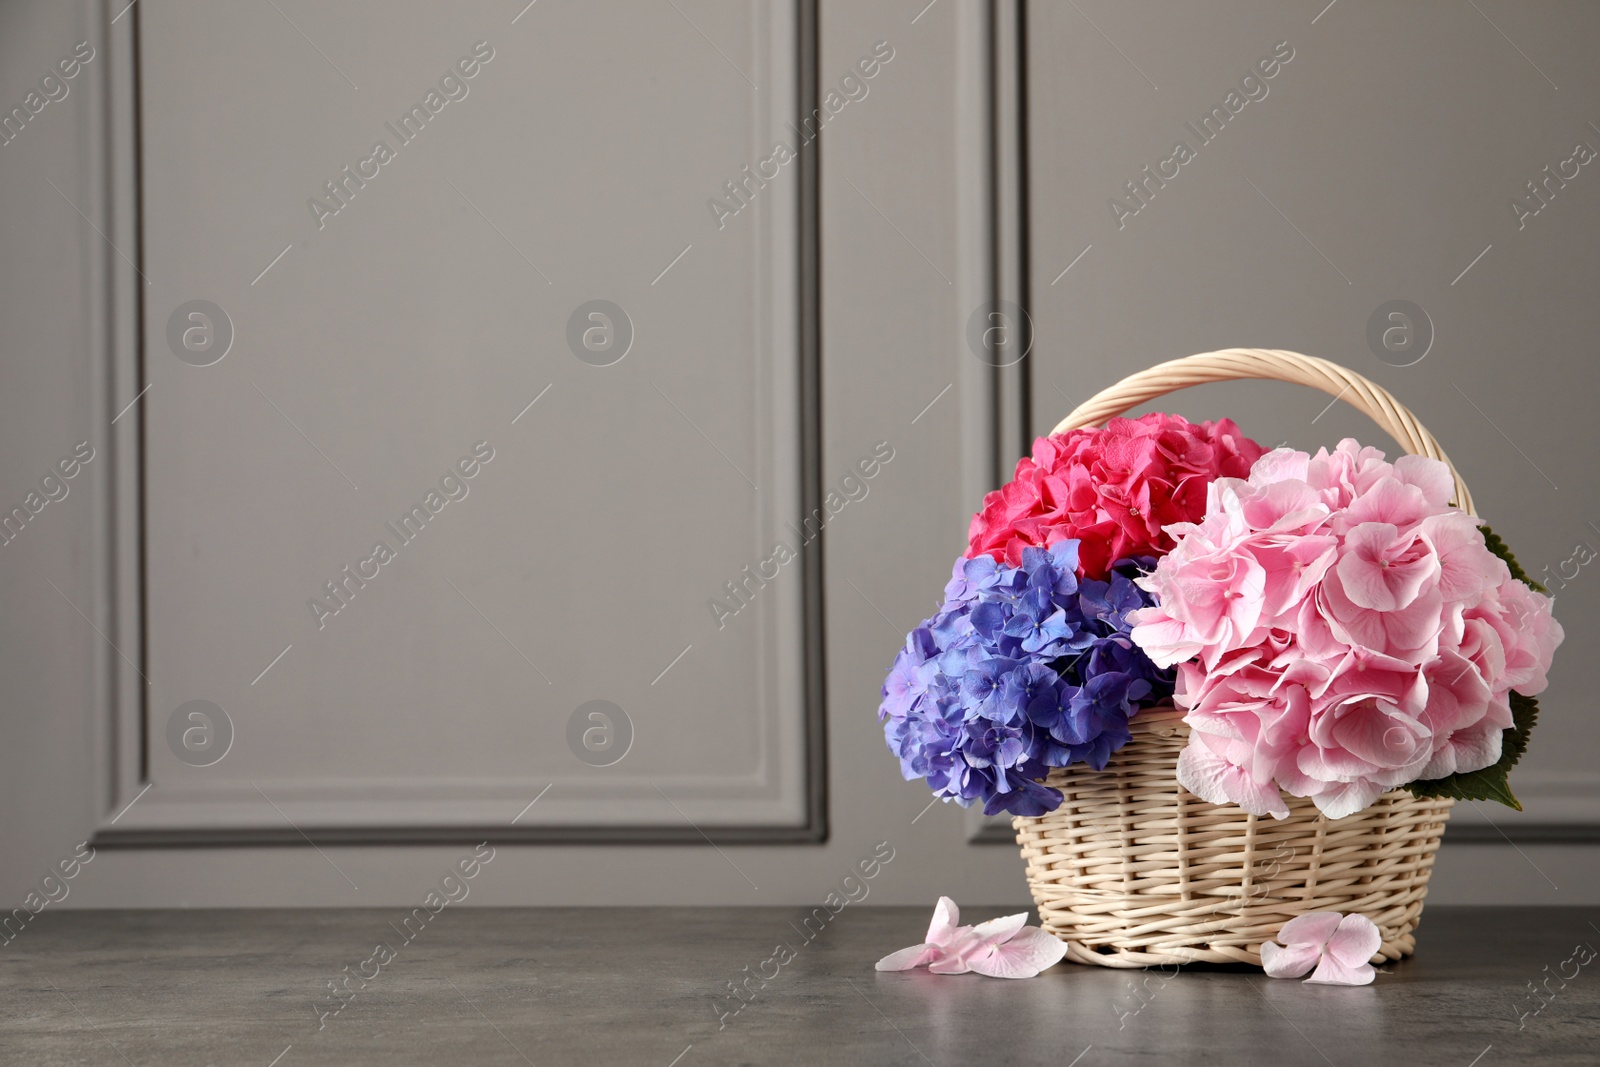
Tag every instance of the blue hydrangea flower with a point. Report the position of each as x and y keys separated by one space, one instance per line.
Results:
x=1023 y=669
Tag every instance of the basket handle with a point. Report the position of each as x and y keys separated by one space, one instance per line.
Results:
x=1229 y=364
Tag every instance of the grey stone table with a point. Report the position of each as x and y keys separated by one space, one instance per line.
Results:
x=625 y=986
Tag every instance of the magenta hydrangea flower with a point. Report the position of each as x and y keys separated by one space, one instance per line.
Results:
x=1114 y=490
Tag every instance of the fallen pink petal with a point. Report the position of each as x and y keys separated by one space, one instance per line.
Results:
x=1005 y=947
x=1339 y=947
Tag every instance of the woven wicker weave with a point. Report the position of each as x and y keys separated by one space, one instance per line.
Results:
x=1133 y=870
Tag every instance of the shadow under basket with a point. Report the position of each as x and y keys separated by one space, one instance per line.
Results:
x=1133 y=870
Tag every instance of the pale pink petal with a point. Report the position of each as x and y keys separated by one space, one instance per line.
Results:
x=945 y=917
x=1166 y=641
x=1457 y=695
x=907 y=958
x=1361 y=567
x=1444 y=761
x=1356 y=941
x=1384 y=569
x=1472 y=749
x=1279 y=506
x=954 y=956
x=996 y=931
x=1212 y=778
x=1201 y=771
x=1410 y=634
x=950 y=964
x=1329 y=765
x=1532 y=637
x=1416 y=626
x=1467 y=567
x=1331 y=972
x=1312 y=928
x=1027 y=953
x=1381 y=734
x=1347 y=798
x=1290 y=962
x=1293 y=566
x=1279 y=465
x=1391 y=501
x=1429 y=475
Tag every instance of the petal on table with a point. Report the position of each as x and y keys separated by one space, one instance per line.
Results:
x=1331 y=972
x=1314 y=927
x=1027 y=953
x=997 y=931
x=1356 y=941
x=907 y=958
x=1291 y=962
x=946 y=916
x=950 y=963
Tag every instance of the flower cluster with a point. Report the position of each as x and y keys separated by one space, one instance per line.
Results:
x=1340 y=947
x=1006 y=947
x=1113 y=490
x=1346 y=631
x=1024 y=668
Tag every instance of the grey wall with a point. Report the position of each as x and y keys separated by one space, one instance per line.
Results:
x=412 y=324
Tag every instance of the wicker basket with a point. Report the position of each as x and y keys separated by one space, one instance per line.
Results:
x=1133 y=870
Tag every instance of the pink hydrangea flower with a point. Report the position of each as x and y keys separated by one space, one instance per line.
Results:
x=1339 y=630
x=1339 y=947
x=1000 y=948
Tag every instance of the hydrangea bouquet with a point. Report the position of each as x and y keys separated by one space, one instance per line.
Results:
x=1030 y=662
x=1330 y=626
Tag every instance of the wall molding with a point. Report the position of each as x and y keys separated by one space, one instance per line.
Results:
x=997 y=34
x=117 y=375
x=440 y=811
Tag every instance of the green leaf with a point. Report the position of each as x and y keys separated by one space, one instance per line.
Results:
x=1498 y=547
x=1490 y=783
